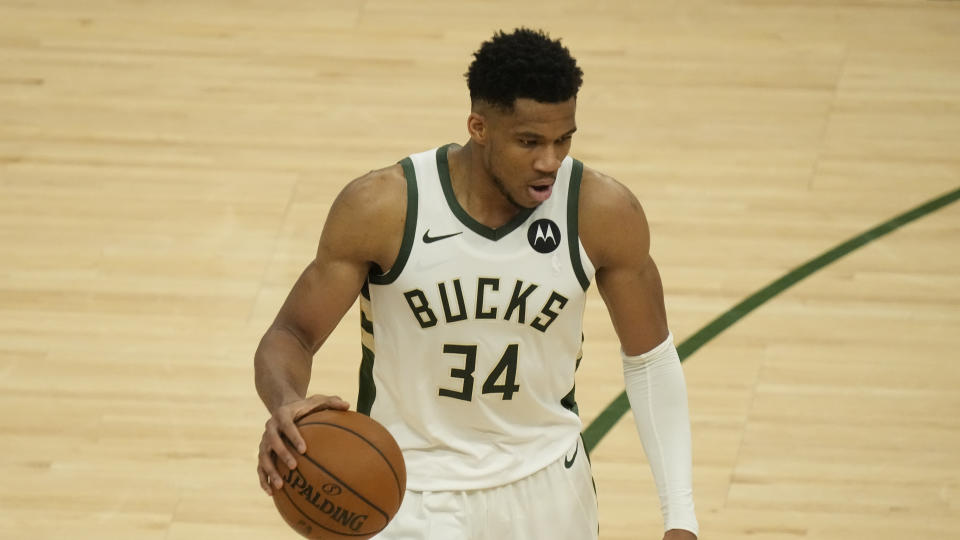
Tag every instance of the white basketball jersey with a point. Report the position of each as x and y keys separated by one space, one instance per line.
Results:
x=471 y=340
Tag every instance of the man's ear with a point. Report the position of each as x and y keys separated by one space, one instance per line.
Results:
x=477 y=128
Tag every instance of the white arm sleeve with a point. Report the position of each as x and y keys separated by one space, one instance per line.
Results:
x=658 y=397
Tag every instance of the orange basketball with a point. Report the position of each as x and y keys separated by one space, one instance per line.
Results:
x=349 y=483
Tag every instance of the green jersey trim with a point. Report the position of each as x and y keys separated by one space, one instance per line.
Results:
x=569 y=401
x=409 y=229
x=573 y=225
x=368 y=388
x=365 y=291
x=443 y=167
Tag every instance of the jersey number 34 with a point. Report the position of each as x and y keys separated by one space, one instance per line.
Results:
x=501 y=380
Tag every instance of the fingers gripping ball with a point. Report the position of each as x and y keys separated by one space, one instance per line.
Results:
x=349 y=483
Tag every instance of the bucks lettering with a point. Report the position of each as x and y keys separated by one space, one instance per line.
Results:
x=316 y=498
x=453 y=304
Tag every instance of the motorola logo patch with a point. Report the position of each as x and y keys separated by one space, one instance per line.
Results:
x=544 y=235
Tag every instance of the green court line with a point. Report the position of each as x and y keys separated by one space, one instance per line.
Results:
x=604 y=422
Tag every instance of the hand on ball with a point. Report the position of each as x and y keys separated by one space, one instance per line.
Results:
x=282 y=424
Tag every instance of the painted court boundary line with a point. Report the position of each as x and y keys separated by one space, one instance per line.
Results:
x=605 y=421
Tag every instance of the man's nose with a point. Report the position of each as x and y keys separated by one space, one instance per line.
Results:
x=549 y=160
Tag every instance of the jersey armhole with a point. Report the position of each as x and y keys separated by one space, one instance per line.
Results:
x=573 y=226
x=376 y=277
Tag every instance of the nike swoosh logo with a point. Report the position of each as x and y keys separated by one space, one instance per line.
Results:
x=569 y=462
x=427 y=239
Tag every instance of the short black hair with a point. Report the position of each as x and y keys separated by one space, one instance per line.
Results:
x=523 y=64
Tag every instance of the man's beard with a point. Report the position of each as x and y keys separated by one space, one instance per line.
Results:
x=503 y=191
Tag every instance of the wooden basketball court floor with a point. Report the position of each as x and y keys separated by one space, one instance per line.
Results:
x=165 y=170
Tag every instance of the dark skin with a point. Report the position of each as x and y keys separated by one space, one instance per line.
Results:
x=509 y=162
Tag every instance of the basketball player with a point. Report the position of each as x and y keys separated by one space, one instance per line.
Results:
x=471 y=263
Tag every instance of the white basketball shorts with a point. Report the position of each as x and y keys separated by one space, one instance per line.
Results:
x=558 y=503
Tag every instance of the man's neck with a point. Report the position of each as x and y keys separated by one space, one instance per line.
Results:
x=475 y=189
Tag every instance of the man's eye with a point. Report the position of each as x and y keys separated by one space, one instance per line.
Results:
x=528 y=142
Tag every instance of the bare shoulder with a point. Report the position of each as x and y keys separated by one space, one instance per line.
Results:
x=375 y=192
x=366 y=219
x=612 y=222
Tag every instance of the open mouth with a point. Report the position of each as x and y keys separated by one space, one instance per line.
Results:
x=541 y=193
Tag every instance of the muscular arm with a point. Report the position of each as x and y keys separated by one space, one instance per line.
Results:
x=364 y=227
x=322 y=295
x=616 y=237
